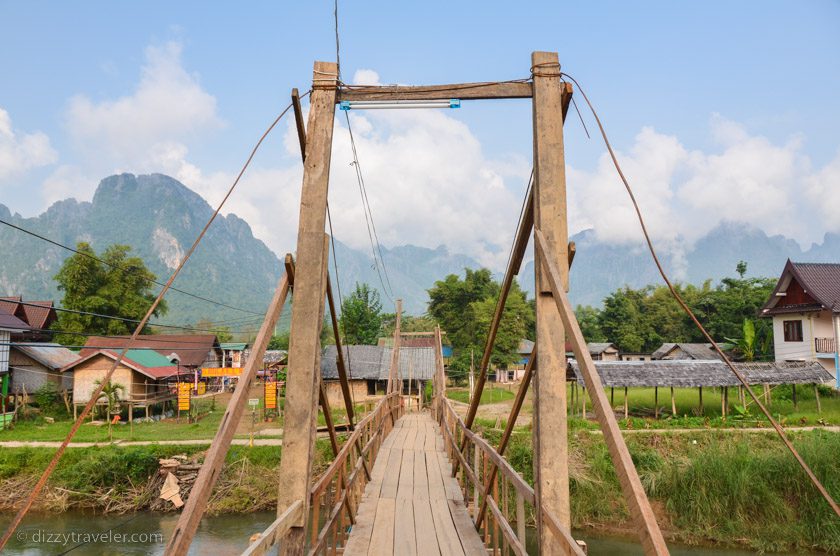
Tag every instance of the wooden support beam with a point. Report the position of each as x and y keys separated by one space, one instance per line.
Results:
x=301 y=130
x=210 y=470
x=673 y=403
x=817 y=397
x=551 y=456
x=634 y=493
x=343 y=374
x=394 y=371
x=304 y=344
x=656 y=402
x=463 y=91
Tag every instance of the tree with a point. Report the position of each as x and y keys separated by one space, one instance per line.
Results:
x=465 y=308
x=119 y=287
x=279 y=341
x=587 y=317
x=361 y=316
x=111 y=394
x=741 y=268
x=223 y=333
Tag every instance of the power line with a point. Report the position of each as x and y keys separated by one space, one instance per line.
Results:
x=42 y=481
x=122 y=268
x=676 y=295
x=121 y=319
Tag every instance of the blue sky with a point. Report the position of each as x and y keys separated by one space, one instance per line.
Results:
x=722 y=110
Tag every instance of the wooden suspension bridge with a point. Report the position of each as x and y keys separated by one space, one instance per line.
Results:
x=423 y=482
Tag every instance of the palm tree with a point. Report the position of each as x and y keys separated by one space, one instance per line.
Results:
x=111 y=394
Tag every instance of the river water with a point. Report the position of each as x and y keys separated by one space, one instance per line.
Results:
x=79 y=534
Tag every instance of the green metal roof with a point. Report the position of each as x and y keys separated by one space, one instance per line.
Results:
x=148 y=358
x=235 y=346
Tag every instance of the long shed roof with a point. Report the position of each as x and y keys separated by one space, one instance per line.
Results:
x=692 y=373
x=374 y=362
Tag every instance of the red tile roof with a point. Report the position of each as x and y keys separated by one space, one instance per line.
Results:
x=40 y=314
x=192 y=349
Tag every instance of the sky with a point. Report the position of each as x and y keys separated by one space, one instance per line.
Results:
x=718 y=110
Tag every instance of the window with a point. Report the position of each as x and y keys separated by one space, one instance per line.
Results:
x=793 y=330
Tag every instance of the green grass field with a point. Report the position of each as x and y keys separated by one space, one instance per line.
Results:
x=491 y=394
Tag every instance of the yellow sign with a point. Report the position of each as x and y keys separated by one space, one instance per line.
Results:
x=184 y=394
x=221 y=371
x=202 y=388
x=271 y=395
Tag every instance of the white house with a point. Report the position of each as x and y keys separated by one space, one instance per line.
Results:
x=805 y=308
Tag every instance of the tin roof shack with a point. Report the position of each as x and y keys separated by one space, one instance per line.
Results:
x=805 y=308
x=38 y=316
x=369 y=367
x=148 y=377
x=32 y=366
x=683 y=350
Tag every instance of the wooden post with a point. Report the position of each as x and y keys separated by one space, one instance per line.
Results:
x=725 y=401
x=795 y=404
x=673 y=403
x=310 y=275
x=817 y=397
x=656 y=402
x=626 y=405
x=583 y=402
x=701 y=401
x=551 y=457
x=612 y=396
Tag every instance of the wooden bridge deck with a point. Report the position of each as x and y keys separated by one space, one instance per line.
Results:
x=412 y=505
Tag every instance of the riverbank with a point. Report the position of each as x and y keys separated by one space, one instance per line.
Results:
x=728 y=488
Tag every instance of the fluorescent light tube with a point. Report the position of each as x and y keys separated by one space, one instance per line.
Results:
x=397 y=104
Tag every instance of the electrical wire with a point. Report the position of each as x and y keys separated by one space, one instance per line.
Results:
x=42 y=481
x=121 y=319
x=819 y=486
x=122 y=268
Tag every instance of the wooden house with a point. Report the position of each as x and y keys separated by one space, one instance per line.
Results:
x=34 y=365
x=148 y=378
x=805 y=308
x=39 y=316
x=686 y=350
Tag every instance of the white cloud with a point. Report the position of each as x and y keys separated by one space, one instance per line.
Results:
x=685 y=193
x=20 y=152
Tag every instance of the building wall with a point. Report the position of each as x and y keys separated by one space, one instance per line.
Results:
x=5 y=336
x=86 y=374
x=794 y=351
x=358 y=392
x=609 y=355
x=31 y=375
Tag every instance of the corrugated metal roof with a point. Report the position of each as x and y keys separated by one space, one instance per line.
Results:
x=234 y=346
x=686 y=350
x=821 y=281
x=691 y=373
x=53 y=356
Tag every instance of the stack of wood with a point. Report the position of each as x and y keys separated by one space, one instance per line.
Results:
x=178 y=475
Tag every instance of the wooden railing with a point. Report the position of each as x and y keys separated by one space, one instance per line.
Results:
x=824 y=345
x=335 y=496
x=509 y=505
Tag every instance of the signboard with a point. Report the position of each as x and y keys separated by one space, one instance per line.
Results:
x=271 y=395
x=202 y=388
x=221 y=371
x=184 y=394
x=253 y=402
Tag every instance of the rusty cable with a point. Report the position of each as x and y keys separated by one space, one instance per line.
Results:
x=820 y=487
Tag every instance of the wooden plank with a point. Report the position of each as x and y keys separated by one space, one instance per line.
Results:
x=210 y=470
x=304 y=346
x=405 y=488
x=382 y=538
x=436 y=488
x=551 y=457
x=421 y=479
x=275 y=531
x=424 y=524
x=634 y=493
x=391 y=481
x=447 y=535
x=405 y=532
x=450 y=484
x=463 y=91
x=470 y=541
